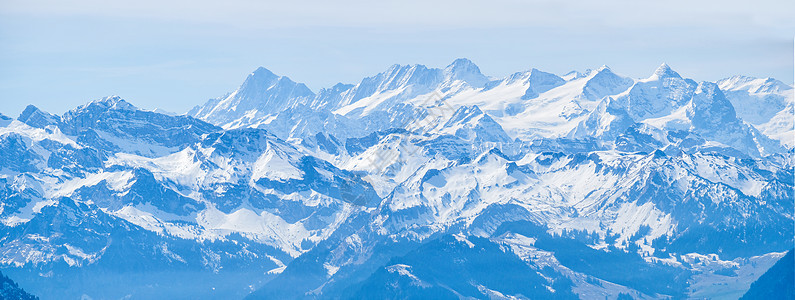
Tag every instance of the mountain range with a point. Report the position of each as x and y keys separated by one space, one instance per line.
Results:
x=416 y=182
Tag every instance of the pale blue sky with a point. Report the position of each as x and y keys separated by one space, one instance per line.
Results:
x=174 y=55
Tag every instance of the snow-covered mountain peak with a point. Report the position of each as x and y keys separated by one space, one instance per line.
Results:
x=262 y=80
x=765 y=103
x=94 y=109
x=603 y=82
x=664 y=71
x=471 y=124
x=753 y=85
x=262 y=93
x=711 y=101
x=35 y=117
x=594 y=173
x=573 y=75
x=601 y=72
x=385 y=89
x=398 y=77
x=464 y=69
x=536 y=73
x=463 y=62
x=111 y=102
x=540 y=82
x=262 y=74
x=657 y=95
x=772 y=85
x=402 y=75
x=710 y=88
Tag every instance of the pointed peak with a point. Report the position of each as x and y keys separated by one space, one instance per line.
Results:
x=261 y=74
x=397 y=67
x=30 y=109
x=470 y=110
x=263 y=79
x=466 y=70
x=538 y=77
x=602 y=72
x=665 y=71
x=36 y=117
x=493 y=152
x=462 y=62
x=536 y=72
x=404 y=69
x=539 y=81
x=465 y=114
x=262 y=71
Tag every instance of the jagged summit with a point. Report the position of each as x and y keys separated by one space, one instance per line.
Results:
x=262 y=93
x=536 y=71
x=28 y=111
x=262 y=72
x=539 y=82
x=603 y=82
x=262 y=80
x=464 y=69
x=753 y=84
x=35 y=117
x=98 y=107
x=604 y=70
x=665 y=71
x=112 y=102
x=402 y=176
x=464 y=63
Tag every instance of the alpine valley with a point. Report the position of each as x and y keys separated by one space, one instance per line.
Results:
x=415 y=183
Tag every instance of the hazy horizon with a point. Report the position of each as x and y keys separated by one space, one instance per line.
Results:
x=179 y=54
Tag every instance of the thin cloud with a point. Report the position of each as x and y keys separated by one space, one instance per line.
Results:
x=765 y=14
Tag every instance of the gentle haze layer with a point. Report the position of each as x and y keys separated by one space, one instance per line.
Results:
x=175 y=55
